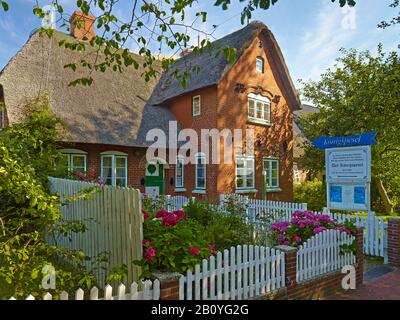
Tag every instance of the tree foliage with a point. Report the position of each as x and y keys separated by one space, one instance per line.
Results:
x=360 y=93
x=27 y=211
x=157 y=29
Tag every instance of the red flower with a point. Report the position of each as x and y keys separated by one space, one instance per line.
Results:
x=179 y=213
x=212 y=248
x=170 y=220
x=146 y=215
x=146 y=242
x=194 y=251
x=162 y=213
x=150 y=254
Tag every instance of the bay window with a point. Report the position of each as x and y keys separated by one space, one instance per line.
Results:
x=259 y=109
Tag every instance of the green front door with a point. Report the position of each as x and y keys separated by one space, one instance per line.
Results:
x=154 y=183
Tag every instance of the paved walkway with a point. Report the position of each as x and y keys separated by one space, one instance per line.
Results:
x=381 y=283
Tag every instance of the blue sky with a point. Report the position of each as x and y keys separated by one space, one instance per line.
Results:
x=310 y=32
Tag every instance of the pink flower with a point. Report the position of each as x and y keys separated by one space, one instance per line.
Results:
x=319 y=230
x=150 y=254
x=170 y=220
x=146 y=215
x=194 y=251
x=348 y=232
x=162 y=213
x=101 y=183
x=281 y=238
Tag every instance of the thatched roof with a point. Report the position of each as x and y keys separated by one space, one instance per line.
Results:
x=213 y=69
x=113 y=110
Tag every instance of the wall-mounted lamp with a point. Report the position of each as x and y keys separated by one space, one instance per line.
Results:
x=240 y=88
x=171 y=181
x=276 y=99
x=142 y=182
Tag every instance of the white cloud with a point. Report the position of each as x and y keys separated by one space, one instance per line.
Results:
x=334 y=28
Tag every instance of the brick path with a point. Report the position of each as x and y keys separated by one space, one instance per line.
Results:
x=385 y=287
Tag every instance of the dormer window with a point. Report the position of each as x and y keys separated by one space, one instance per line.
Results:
x=260 y=65
x=259 y=109
x=196 y=106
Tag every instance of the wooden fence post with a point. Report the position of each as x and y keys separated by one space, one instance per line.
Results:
x=394 y=241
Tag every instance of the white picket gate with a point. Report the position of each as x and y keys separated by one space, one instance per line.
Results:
x=240 y=273
x=175 y=202
x=321 y=254
x=151 y=291
x=375 y=232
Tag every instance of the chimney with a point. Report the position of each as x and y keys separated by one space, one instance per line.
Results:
x=82 y=26
x=185 y=52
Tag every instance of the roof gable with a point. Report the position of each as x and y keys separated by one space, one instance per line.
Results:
x=213 y=69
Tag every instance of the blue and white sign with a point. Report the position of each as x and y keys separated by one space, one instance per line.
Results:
x=348 y=170
x=364 y=139
x=351 y=164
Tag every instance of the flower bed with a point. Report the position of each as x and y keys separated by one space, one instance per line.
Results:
x=172 y=243
x=304 y=225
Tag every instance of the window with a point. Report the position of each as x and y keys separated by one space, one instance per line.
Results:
x=179 y=172
x=75 y=160
x=259 y=108
x=196 y=106
x=244 y=172
x=260 y=65
x=114 y=169
x=200 y=171
x=271 y=167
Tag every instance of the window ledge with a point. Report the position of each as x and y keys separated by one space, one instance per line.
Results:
x=246 y=191
x=274 y=190
x=180 y=189
x=199 y=191
x=259 y=121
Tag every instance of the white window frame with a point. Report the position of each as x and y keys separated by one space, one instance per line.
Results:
x=193 y=111
x=260 y=59
x=180 y=161
x=70 y=154
x=269 y=172
x=199 y=156
x=257 y=98
x=296 y=173
x=245 y=158
x=114 y=156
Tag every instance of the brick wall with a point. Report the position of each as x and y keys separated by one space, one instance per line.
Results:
x=394 y=241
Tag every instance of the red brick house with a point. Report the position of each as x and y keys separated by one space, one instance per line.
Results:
x=107 y=122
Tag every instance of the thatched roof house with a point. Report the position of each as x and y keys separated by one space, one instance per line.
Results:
x=113 y=110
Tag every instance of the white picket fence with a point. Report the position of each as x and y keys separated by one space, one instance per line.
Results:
x=113 y=218
x=258 y=209
x=375 y=232
x=321 y=254
x=240 y=273
x=151 y=291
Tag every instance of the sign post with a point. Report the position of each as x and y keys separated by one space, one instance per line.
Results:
x=348 y=171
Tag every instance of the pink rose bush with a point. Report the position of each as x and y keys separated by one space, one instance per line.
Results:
x=172 y=243
x=302 y=226
x=89 y=177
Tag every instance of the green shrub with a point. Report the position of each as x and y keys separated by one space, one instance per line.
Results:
x=223 y=229
x=312 y=192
